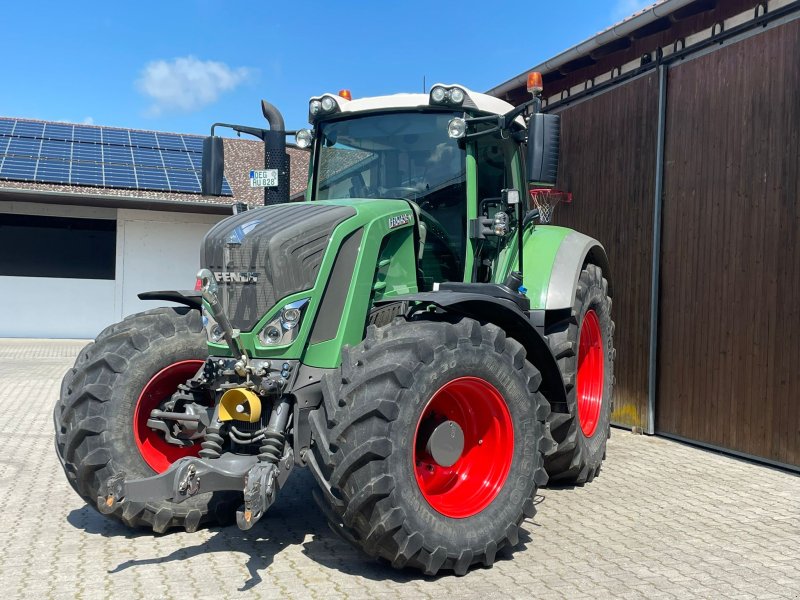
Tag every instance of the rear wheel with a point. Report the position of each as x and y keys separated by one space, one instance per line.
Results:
x=584 y=347
x=429 y=445
x=101 y=419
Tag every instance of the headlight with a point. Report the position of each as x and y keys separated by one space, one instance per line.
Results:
x=456 y=95
x=303 y=138
x=283 y=328
x=328 y=104
x=314 y=107
x=456 y=128
x=214 y=332
x=438 y=94
x=452 y=96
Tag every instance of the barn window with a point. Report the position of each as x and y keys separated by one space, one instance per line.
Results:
x=38 y=246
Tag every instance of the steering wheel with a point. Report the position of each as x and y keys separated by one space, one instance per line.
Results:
x=404 y=192
x=438 y=231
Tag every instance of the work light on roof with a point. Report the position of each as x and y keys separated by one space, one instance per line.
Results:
x=438 y=95
x=452 y=96
x=456 y=95
x=325 y=105
x=328 y=104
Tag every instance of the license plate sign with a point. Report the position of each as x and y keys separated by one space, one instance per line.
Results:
x=264 y=178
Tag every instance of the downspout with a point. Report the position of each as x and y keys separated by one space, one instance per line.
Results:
x=652 y=370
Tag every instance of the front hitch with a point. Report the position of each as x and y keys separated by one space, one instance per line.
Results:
x=190 y=476
x=184 y=479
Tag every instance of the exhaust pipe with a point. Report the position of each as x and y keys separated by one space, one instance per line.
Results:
x=275 y=155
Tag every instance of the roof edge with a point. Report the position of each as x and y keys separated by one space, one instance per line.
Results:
x=112 y=201
x=615 y=32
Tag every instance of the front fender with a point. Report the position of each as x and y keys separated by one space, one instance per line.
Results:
x=506 y=315
x=190 y=298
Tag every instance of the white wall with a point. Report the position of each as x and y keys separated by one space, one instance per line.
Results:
x=155 y=250
x=160 y=251
x=44 y=307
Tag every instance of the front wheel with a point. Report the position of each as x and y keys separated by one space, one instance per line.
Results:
x=429 y=445
x=101 y=417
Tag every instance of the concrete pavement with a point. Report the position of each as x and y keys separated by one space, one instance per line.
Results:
x=663 y=520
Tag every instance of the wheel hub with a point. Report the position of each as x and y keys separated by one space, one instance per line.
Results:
x=590 y=376
x=156 y=451
x=446 y=443
x=463 y=447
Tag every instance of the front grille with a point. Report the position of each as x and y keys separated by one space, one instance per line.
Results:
x=282 y=244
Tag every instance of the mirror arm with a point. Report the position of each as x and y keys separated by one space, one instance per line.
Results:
x=502 y=122
x=254 y=131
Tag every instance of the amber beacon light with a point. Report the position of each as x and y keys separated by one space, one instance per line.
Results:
x=535 y=82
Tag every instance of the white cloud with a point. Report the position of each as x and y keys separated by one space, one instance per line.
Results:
x=626 y=8
x=88 y=121
x=187 y=83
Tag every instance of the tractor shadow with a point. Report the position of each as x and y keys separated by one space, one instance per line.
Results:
x=294 y=520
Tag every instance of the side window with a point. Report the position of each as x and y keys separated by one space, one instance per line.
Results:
x=495 y=157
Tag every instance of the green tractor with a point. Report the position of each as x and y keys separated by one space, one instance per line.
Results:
x=411 y=332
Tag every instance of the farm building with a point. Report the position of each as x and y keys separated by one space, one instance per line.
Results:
x=681 y=146
x=91 y=216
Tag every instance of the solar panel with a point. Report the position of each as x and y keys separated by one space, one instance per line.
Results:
x=58 y=131
x=100 y=156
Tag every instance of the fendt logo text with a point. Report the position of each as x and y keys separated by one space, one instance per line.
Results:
x=399 y=221
x=241 y=277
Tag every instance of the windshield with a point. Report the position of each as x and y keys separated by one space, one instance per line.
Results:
x=396 y=155
x=404 y=155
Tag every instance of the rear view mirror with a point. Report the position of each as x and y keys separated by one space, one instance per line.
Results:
x=544 y=143
x=213 y=166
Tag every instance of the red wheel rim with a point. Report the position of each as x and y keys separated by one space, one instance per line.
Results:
x=590 y=377
x=155 y=450
x=469 y=485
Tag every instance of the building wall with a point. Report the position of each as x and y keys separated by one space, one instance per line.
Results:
x=730 y=261
x=602 y=141
x=155 y=250
x=729 y=258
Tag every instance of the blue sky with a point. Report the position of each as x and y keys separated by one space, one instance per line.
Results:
x=178 y=65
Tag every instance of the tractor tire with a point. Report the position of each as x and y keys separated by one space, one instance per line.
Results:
x=135 y=320
x=583 y=344
x=100 y=419
x=371 y=454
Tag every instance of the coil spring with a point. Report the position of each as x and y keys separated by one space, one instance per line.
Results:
x=272 y=448
x=212 y=445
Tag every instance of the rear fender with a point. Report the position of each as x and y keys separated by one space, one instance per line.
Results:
x=574 y=253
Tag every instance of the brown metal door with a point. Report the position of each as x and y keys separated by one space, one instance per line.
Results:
x=608 y=163
x=729 y=332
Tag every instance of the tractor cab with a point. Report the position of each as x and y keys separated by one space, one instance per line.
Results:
x=415 y=147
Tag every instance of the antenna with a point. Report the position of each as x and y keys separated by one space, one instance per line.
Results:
x=424 y=91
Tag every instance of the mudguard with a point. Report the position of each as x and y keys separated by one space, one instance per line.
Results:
x=190 y=298
x=575 y=251
x=506 y=315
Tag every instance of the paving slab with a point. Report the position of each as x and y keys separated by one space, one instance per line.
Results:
x=663 y=520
